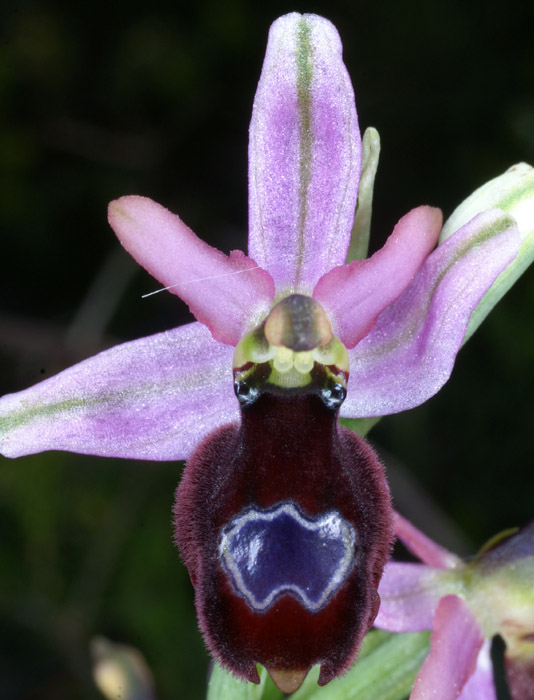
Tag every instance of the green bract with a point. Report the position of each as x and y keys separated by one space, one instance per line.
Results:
x=513 y=192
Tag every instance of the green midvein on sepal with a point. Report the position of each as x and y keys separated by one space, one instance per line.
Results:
x=304 y=85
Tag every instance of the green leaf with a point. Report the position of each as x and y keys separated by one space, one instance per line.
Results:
x=224 y=686
x=359 y=237
x=361 y=426
x=385 y=670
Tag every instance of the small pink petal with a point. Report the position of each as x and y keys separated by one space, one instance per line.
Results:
x=423 y=547
x=153 y=398
x=481 y=685
x=410 y=352
x=304 y=154
x=229 y=294
x=354 y=295
x=455 y=644
x=409 y=596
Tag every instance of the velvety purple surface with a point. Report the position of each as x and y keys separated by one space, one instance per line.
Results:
x=354 y=295
x=304 y=154
x=226 y=293
x=152 y=398
x=287 y=449
x=410 y=353
x=455 y=644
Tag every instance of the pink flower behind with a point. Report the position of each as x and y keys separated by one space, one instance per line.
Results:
x=466 y=604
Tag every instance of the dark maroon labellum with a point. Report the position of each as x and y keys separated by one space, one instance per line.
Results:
x=284 y=523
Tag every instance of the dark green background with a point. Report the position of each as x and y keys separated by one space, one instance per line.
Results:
x=154 y=98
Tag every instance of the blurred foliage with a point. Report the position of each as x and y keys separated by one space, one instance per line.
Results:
x=100 y=100
x=386 y=668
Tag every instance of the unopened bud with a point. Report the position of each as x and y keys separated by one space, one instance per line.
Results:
x=513 y=193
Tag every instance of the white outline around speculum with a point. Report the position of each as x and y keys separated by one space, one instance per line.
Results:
x=252 y=513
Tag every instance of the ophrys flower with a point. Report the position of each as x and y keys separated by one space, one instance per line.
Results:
x=301 y=319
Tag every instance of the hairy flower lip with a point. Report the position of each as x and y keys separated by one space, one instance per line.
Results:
x=287 y=459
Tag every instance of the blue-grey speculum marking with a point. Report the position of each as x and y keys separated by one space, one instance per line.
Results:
x=269 y=553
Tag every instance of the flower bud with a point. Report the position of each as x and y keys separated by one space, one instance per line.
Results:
x=513 y=193
x=120 y=671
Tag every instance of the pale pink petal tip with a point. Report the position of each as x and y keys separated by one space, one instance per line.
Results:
x=229 y=294
x=355 y=294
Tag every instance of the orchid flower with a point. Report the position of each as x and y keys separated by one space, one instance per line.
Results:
x=282 y=328
x=466 y=603
x=401 y=314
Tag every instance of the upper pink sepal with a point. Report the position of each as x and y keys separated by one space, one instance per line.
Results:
x=152 y=398
x=304 y=154
x=455 y=644
x=409 y=354
x=228 y=294
x=355 y=294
